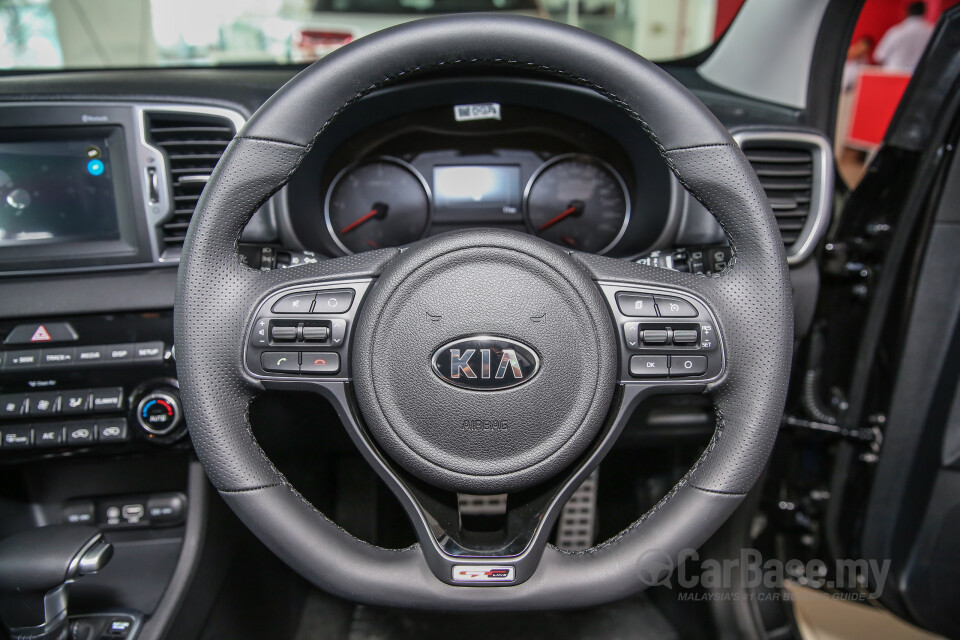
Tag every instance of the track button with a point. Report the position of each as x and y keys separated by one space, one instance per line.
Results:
x=280 y=361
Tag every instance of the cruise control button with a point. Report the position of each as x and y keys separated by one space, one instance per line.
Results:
x=648 y=366
x=294 y=303
x=655 y=336
x=43 y=404
x=675 y=308
x=320 y=363
x=72 y=402
x=687 y=366
x=11 y=405
x=48 y=435
x=17 y=360
x=280 y=361
x=79 y=433
x=685 y=336
x=90 y=355
x=40 y=333
x=707 y=338
x=107 y=399
x=20 y=437
x=333 y=302
x=315 y=334
x=636 y=305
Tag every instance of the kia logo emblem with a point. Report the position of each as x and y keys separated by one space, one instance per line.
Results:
x=485 y=363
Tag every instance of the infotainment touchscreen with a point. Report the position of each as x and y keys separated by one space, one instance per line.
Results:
x=58 y=189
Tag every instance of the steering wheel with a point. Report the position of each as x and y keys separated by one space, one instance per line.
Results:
x=482 y=361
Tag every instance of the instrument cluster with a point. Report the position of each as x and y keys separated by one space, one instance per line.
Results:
x=575 y=200
x=382 y=181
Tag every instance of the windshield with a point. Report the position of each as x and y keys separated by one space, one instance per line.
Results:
x=90 y=34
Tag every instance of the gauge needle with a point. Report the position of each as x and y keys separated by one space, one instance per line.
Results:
x=379 y=211
x=575 y=208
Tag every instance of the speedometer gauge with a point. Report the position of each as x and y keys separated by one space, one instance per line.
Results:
x=579 y=202
x=379 y=203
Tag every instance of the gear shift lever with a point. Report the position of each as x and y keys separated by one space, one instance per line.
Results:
x=35 y=567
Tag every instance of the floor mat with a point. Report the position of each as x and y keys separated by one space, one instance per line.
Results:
x=631 y=619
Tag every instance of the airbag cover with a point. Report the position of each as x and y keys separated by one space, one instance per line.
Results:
x=480 y=435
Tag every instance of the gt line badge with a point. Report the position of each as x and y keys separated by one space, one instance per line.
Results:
x=485 y=363
x=483 y=573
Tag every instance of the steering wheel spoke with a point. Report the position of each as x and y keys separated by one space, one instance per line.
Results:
x=497 y=549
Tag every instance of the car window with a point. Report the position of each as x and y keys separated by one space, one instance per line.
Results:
x=92 y=34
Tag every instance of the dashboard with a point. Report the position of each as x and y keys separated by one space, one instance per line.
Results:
x=112 y=185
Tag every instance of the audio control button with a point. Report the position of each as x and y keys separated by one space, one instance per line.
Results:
x=294 y=303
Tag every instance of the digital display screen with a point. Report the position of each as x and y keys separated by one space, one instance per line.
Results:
x=57 y=190
x=489 y=187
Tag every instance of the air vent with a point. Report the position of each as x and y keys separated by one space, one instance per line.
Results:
x=192 y=144
x=796 y=172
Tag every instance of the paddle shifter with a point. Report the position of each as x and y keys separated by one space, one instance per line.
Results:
x=35 y=567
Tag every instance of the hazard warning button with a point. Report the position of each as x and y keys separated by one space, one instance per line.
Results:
x=41 y=333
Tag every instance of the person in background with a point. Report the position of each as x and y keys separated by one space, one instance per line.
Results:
x=858 y=55
x=902 y=45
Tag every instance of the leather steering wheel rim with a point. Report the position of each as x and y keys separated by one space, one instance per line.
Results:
x=217 y=295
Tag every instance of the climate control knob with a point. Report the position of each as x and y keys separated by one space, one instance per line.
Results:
x=159 y=413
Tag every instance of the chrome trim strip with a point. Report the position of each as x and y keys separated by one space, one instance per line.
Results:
x=821 y=194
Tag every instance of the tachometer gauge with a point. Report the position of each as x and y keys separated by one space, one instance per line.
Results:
x=380 y=203
x=579 y=202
